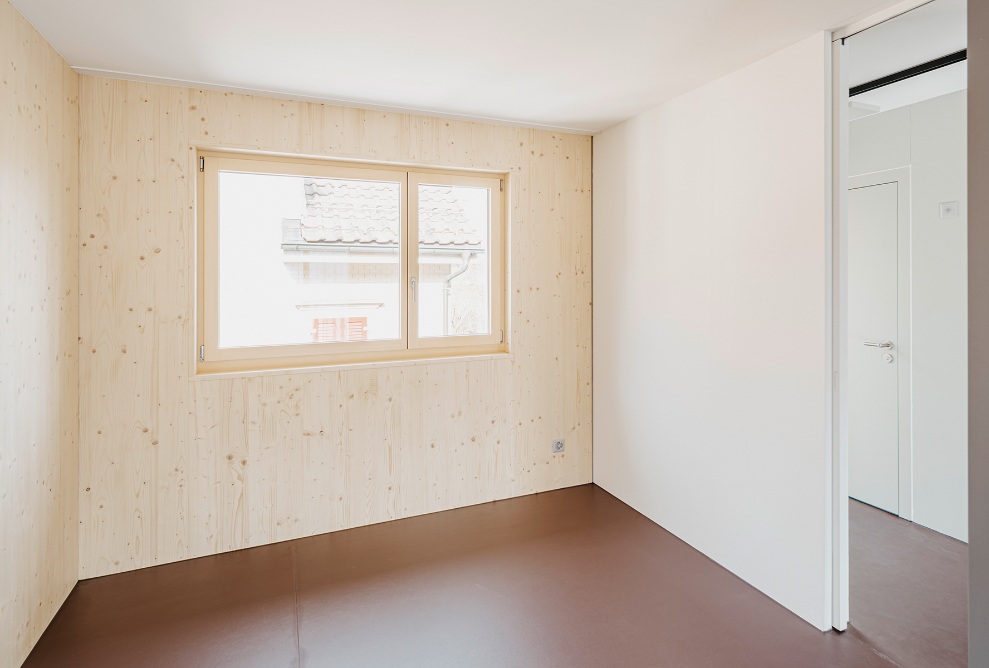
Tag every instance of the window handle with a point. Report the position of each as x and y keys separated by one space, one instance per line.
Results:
x=412 y=281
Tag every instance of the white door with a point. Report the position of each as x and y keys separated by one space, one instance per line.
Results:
x=873 y=356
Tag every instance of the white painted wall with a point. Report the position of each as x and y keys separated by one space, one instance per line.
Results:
x=930 y=138
x=710 y=378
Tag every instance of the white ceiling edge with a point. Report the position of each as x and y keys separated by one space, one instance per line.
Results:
x=335 y=102
x=873 y=18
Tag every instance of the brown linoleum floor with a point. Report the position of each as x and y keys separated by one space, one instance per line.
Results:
x=567 y=578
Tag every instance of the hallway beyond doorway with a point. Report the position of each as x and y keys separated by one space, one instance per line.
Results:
x=909 y=590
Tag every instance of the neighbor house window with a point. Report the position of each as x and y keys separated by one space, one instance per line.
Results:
x=308 y=262
x=328 y=330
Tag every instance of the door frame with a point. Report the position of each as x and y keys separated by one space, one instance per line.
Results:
x=836 y=264
x=901 y=177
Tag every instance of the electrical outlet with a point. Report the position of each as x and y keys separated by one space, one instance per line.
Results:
x=559 y=445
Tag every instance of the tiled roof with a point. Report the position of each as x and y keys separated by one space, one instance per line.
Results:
x=339 y=211
x=442 y=220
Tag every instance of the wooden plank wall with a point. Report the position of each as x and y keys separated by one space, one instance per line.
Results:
x=174 y=466
x=39 y=121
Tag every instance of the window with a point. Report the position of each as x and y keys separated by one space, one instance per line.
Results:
x=309 y=262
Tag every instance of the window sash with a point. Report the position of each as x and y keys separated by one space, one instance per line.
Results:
x=213 y=165
x=496 y=264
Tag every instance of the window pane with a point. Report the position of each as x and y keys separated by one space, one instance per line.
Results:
x=454 y=274
x=307 y=260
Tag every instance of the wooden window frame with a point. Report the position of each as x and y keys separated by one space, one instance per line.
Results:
x=210 y=358
x=496 y=262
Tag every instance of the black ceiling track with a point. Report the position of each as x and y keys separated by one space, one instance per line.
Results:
x=910 y=72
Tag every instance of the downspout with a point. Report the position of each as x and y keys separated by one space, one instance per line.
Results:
x=465 y=260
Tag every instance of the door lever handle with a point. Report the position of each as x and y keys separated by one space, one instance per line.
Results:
x=885 y=345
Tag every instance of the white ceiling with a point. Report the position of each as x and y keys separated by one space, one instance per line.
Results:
x=928 y=32
x=936 y=29
x=575 y=64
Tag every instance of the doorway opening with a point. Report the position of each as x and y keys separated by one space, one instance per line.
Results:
x=900 y=338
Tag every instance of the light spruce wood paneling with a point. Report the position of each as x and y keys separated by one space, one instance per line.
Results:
x=174 y=467
x=39 y=121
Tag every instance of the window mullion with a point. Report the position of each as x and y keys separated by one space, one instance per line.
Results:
x=412 y=255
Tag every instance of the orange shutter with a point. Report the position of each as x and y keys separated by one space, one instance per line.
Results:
x=332 y=330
